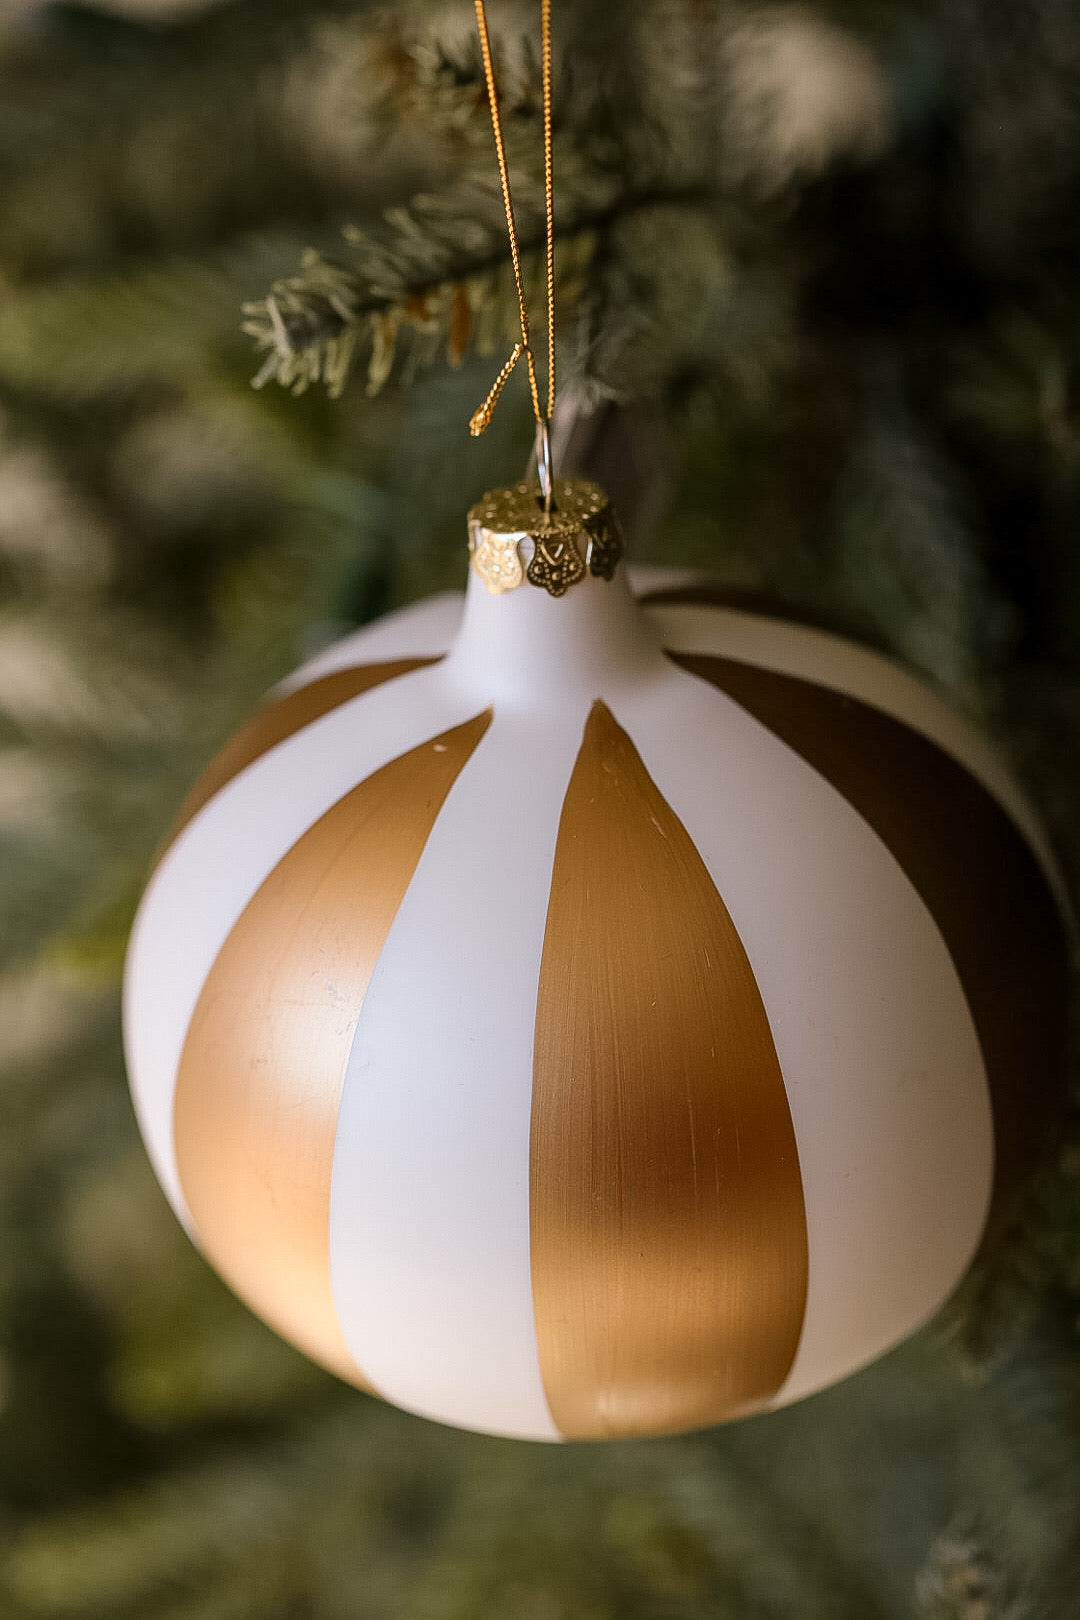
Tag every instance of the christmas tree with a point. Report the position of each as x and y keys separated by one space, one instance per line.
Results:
x=817 y=267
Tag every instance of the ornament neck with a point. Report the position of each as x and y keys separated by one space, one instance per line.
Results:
x=528 y=648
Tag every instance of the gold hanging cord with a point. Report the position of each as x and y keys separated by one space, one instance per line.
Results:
x=483 y=415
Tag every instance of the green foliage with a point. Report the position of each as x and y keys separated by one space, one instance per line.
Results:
x=313 y=326
x=818 y=264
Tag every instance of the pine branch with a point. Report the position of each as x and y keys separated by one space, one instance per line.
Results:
x=443 y=276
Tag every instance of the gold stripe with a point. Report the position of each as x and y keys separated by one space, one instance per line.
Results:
x=974 y=871
x=276 y=721
x=669 y=1252
x=259 y=1086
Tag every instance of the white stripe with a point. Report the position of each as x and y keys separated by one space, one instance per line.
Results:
x=429 y=1223
x=423 y=630
x=876 y=1043
x=843 y=666
x=226 y=851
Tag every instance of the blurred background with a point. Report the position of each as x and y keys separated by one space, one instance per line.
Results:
x=820 y=289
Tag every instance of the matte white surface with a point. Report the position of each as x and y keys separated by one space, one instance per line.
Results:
x=537 y=654
x=876 y=1044
x=422 y=630
x=223 y=855
x=430 y=1197
x=426 y=629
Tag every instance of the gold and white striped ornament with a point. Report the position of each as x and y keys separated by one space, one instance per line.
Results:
x=572 y=1018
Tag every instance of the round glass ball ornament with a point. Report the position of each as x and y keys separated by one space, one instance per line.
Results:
x=576 y=1017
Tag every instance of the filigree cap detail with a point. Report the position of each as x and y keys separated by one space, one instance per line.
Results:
x=512 y=538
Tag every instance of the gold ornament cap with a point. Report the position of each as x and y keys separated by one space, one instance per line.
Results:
x=513 y=540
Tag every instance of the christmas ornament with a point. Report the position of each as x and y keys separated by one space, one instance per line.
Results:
x=568 y=1017
x=596 y=1020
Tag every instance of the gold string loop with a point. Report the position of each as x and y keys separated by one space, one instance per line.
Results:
x=482 y=416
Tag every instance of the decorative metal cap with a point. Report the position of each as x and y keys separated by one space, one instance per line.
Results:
x=512 y=539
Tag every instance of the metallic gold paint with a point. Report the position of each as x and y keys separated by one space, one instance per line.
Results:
x=975 y=873
x=259 y=1086
x=669 y=1249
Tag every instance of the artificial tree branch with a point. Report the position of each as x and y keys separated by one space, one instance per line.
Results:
x=311 y=326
